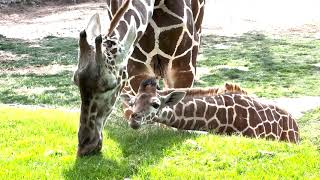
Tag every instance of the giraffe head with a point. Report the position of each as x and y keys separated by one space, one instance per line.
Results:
x=100 y=75
x=148 y=103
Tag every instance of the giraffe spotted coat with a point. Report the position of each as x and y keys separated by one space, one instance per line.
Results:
x=225 y=113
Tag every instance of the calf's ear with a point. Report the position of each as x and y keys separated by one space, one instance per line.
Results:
x=173 y=98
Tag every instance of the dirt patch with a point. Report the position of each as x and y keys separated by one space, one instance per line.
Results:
x=8 y=56
x=20 y=14
x=23 y=5
x=228 y=18
x=62 y=21
x=39 y=70
x=33 y=91
x=296 y=106
x=286 y=17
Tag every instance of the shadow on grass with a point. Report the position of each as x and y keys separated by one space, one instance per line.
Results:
x=56 y=89
x=260 y=62
x=252 y=46
x=52 y=89
x=94 y=167
x=142 y=148
x=49 y=50
x=310 y=126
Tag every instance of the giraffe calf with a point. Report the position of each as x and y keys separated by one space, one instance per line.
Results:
x=224 y=112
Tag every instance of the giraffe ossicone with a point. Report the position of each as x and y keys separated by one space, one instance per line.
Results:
x=226 y=112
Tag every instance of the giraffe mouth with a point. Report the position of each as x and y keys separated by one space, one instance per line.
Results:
x=134 y=124
x=90 y=149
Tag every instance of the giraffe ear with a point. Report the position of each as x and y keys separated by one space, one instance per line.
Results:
x=93 y=28
x=173 y=98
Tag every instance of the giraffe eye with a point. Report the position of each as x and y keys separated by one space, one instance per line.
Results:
x=110 y=43
x=155 y=105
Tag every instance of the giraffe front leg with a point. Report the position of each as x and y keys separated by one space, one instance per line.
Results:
x=180 y=79
x=181 y=71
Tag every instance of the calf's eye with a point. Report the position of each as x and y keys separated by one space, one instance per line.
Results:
x=155 y=105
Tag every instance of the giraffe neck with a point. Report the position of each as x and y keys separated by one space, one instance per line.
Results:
x=230 y=113
x=131 y=26
x=184 y=115
x=139 y=14
x=209 y=91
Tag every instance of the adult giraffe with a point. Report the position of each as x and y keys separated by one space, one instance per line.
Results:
x=152 y=37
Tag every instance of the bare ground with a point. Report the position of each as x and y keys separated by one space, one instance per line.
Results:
x=63 y=21
x=222 y=17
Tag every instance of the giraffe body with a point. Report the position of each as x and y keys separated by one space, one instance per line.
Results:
x=169 y=46
x=224 y=113
x=231 y=113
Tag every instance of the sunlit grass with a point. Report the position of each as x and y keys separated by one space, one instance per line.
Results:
x=41 y=143
x=310 y=127
x=58 y=89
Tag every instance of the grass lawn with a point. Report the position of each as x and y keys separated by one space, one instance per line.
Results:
x=41 y=143
x=266 y=66
x=37 y=87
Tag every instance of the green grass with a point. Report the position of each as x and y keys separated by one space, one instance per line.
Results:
x=58 y=89
x=49 y=50
x=310 y=126
x=41 y=144
x=268 y=67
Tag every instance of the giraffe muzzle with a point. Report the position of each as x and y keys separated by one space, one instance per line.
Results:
x=89 y=149
x=135 y=121
x=134 y=124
